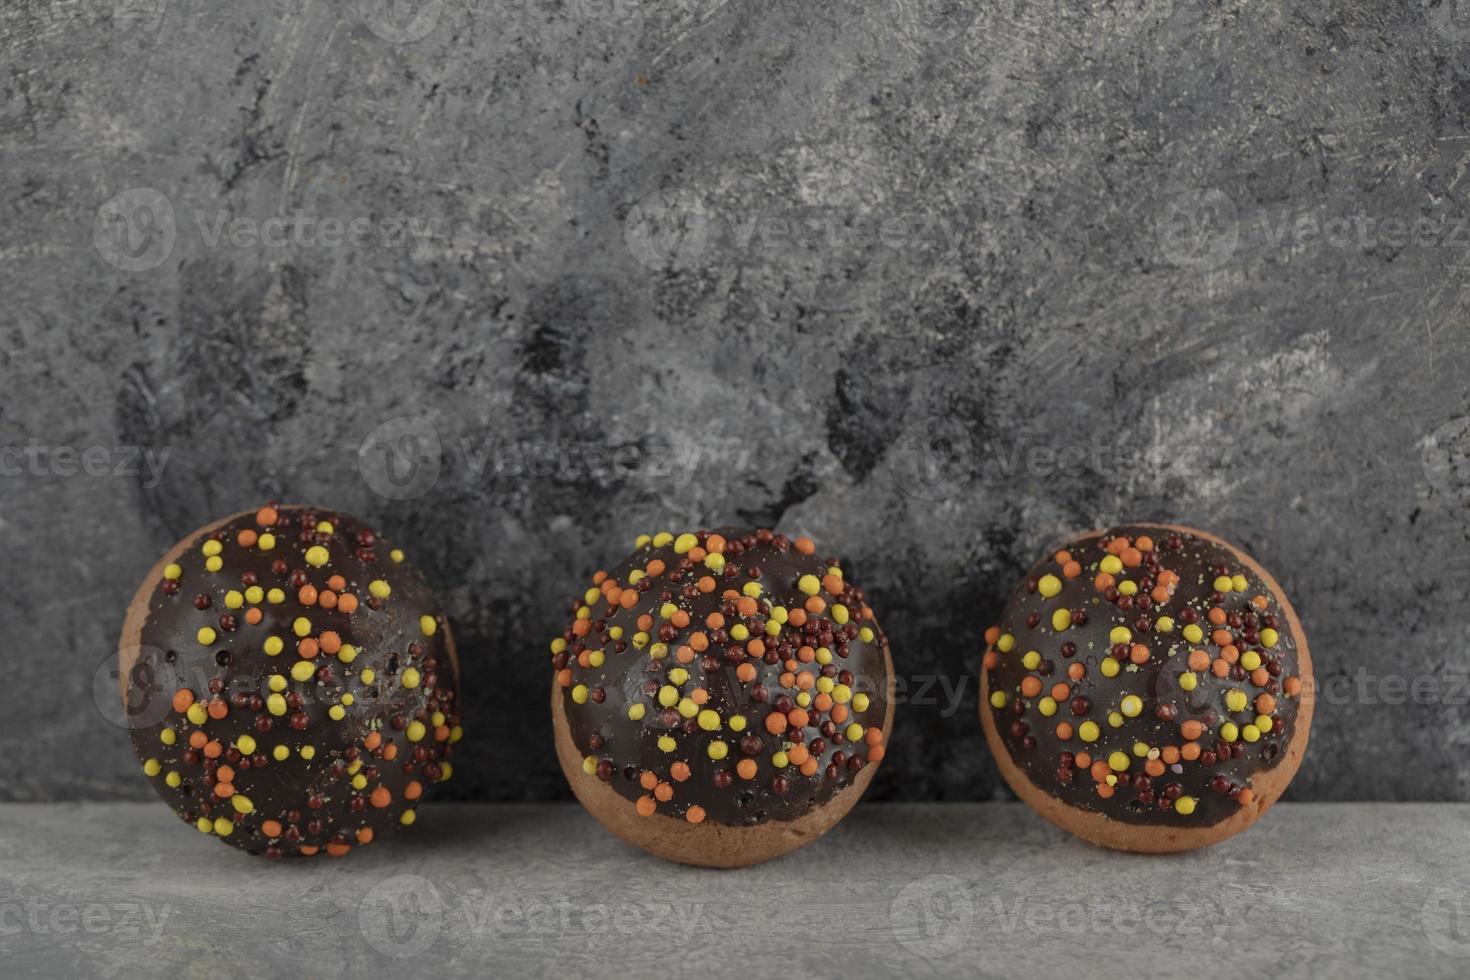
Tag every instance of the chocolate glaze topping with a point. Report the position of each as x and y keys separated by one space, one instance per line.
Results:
x=294 y=687
x=1205 y=681
x=732 y=675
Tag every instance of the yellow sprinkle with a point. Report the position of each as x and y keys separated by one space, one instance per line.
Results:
x=715 y=562
x=1049 y=586
x=1132 y=706
x=308 y=752
x=197 y=714
x=204 y=824
x=737 y=723
x=276 y=705
x=668 y=696
x=809 y=584
x=637 y=711
x=1006 y=643
x=212 y=547
x=380 y=588
x=302 y=670
x=684 y=542
x=1193 y=633
x=1229 y=732
x=152 y=767
x=1119 y=634
x=1188 y=681
x=359 y=781
x=254 y=595
x=317 y=556
x=206 y=635
x=301 y=626
x=234 y=600
x=168 y=736
x=854 y=732
x=224 y=826
x=348 y=699
x=1250 y=660
x=336 y=712
x=273 y=645
x=1239 y=583
x=860 y=703
x=396 y=555
x=1115 y=719
x=1061 y=619
x=407 y=818
x=1184 y=805
x=266 y=542
x=842 y=694
x=410 y=678
x=277 y=682
x=246 y=744
x=1118 y=761
x=455 y=734
x=1264 y=723
x=347 y=654
x=739 y=633
x=1047 y=706
x=325 y=527
x=1236 y=700
x=688 y=708
x=275 y=597
x=709 y=720
x=840 y=614
x=997 y=699
x=280 y=753
x=1111 y=564
x=428 y=625
x=1110 y=667
x=658 y=651
x=415 y=731
x=173 y=780
x=780 y=760
x=1224 y=584
x=1031 y=660
x=242 y=803
x=1089 y=731
x=666 y=743
x=1250 y=733
x=368 y=675
x=1269 y=637
x=751 y=589
x=718 y=750
x=172 y=571
x=1164 y=624
x=866 y=634
x=579 y=694
x=1127 y=587
x=589 y=765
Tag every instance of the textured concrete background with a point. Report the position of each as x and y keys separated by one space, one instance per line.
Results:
x=937 y=285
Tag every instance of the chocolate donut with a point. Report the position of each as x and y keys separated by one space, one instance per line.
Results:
x=721 y=698
x=1148 y=688
x=290 y=682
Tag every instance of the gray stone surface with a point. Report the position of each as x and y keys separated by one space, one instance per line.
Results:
x=989 y=890
x=937 y=283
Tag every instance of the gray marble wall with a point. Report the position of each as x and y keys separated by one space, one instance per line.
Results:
x=937 y=283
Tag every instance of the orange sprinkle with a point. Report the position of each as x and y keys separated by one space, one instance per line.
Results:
x=347 y=603
x=1076 y=671
x=253 y=615
x=714 y=544
x=645 y=806
x=330 y=642
x=381 y=797
x=183 y=697
x=1138 y=653
x=337 y=850
x=798 y=718
x=224 y=790
x=271 y=828
x=247 y=538
x=875 y=754
x=805 y=545
x=1064 y=730
x=1103 y=581
x=1199 y=660
x=373 y=740
x=1060 y=692
x=1169 y=754
x=213 y=750
x=307 y=647
x=695 y=814
x=1191 y=730
x=1144 y=543
x=365 y=835
x=1293 y=686
x=1030 y=686
x=745 y=769
x=655 y=567
x=1083 y=760
x=1221 y=667
x=1189 y=751
x=680 y=771
x=266 y=516
x=218 y=708
x=1071 y=569
x=1246 y=796
x=1265 y=703
x=745 y=673
x=832 y=583
x=306 y=596
x=663 y=792
x=873 y=736
x=197 y=738
x=1216 y=616
x=816 y=605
